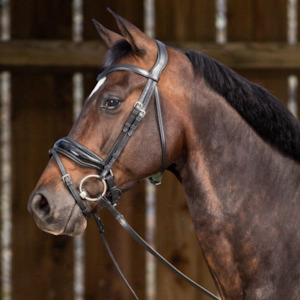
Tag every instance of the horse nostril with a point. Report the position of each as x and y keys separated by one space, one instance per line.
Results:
x=44 y=205
x=39 y=206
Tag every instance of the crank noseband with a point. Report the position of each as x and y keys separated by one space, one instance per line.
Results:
x=86 y=158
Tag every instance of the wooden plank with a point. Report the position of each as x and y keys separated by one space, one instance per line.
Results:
x=257 y=20
x=41 y=113
x=267 y=79
x=189 y=20
x=63 y=54
x=41 y=19
x=261 y=21
x=252 y=55
x=176 y=240
x=132 y=10
x=52 y=54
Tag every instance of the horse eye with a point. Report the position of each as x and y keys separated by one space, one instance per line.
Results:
x=112 y=103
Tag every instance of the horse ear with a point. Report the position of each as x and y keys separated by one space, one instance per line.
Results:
x=138 y=40
x=109 y=37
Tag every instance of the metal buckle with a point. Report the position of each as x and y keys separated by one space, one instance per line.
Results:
x=64 y=177
x=138 y=105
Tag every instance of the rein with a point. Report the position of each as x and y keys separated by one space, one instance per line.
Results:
x=111 y=193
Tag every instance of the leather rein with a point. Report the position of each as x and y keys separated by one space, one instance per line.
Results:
x=111 y=193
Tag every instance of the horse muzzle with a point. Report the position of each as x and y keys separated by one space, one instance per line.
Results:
x=50 y=218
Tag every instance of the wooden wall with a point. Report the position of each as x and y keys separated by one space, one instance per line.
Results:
x=42 y=265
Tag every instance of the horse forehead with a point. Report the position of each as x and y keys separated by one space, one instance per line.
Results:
x=130 y=59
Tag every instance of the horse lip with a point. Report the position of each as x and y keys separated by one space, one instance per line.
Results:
x=76 y=223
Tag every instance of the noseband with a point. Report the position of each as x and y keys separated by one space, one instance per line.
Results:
x=86 y=158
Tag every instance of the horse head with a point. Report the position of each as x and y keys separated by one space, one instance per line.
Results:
x=137 y=70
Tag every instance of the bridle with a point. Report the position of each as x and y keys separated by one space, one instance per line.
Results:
x=86 y=158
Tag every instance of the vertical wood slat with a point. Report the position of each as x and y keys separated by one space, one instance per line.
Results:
x=35 y=19
x=176 y=240
x=131 y=10
x=38 y=118
x=259 y=21
x=293 y=38
x=41 y=113
x=175 y=236
x=5 y=162
x=101 y=276
x=189 y=20
x=6 y=186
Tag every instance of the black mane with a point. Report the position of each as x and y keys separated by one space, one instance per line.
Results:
x=263 y=112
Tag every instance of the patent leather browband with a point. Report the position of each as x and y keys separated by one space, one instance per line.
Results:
x=86 y=158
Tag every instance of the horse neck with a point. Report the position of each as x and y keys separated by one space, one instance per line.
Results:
x=232 y=180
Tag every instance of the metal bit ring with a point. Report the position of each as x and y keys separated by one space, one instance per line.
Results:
x=83 y=193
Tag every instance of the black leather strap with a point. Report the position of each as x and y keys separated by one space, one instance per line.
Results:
x=67 y=179
x=139 y=110
x=161 y=130
x=120 y=218
x=130 y=68
x=100 y=227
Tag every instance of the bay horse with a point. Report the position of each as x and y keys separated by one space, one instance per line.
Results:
x=234 y=147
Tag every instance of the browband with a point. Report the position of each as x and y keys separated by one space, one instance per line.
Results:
x=130 y=68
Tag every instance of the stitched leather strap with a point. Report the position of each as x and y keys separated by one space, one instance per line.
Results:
x=100 y=227
x=138 y=112
x=120 y=218
x=67 y=179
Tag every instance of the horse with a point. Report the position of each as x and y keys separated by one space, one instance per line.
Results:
x=234 y=147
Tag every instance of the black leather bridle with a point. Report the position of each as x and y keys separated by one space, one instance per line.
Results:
x=83 y=156
x=86 y=158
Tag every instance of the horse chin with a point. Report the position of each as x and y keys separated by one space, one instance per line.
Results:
x=76 y=224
